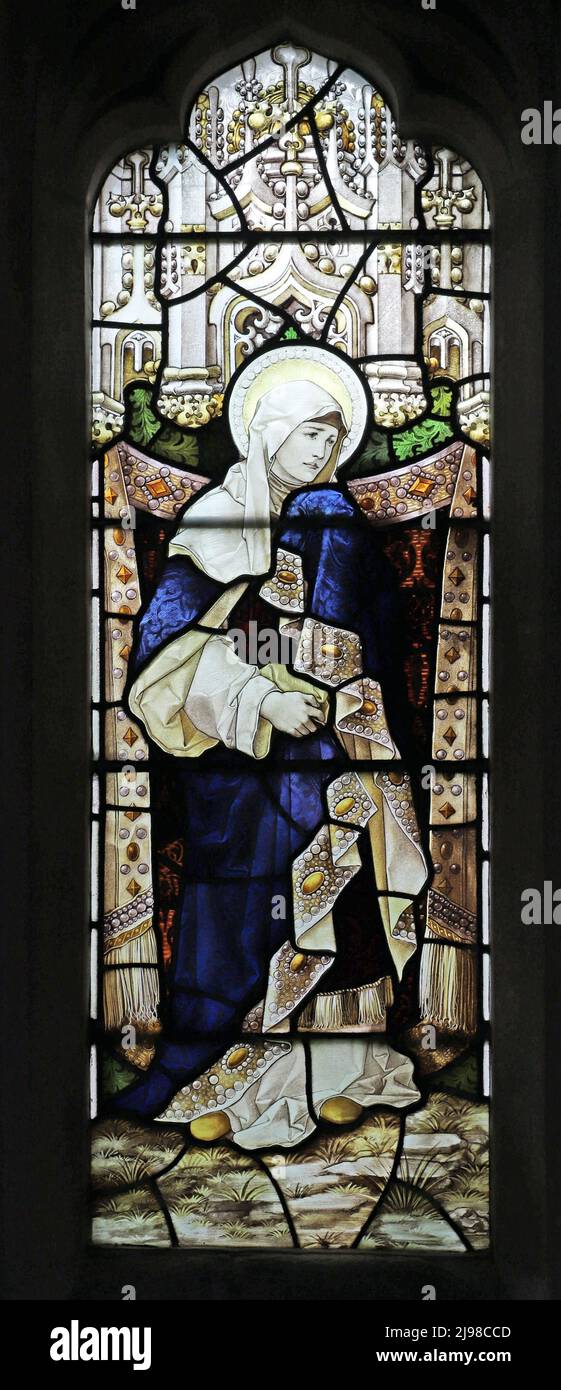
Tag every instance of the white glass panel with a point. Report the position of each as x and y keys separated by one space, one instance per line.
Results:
x=486 y=1069
x=95 y=870
x=93 y=971
x=93 y=1082
x=485 y=902
x=95 y=650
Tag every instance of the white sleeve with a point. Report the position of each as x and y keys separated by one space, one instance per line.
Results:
x=225 y=698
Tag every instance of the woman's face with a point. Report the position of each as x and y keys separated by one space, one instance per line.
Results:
x=305 y=452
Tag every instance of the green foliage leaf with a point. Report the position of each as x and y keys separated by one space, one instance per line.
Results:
x=461 y=1075
x=144 y=424
x=116 y=1075
x=164 y=441
x=289 y=335
x=375 y=452
x=421 y=439
x=177 y=446
x=441 y=400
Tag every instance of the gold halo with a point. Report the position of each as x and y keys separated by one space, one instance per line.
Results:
x=299 y=362
x=284 y=371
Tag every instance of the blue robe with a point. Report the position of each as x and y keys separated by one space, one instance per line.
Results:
x=246 y=820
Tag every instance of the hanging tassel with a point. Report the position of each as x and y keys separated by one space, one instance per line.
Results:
x=373 y=1000
x=448 y=987
x=348 y=1008
x=131 y=993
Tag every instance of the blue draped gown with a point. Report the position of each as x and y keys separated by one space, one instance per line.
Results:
x=246 y=820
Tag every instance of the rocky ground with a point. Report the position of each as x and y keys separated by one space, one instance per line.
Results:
x=425 y=1190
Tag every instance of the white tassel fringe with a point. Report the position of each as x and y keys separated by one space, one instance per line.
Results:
x=348 y=1008
x=131 y=995
x=448 y=987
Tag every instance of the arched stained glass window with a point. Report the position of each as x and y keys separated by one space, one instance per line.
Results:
x=290 y=392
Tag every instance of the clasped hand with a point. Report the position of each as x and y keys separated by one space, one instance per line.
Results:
x=292 y=712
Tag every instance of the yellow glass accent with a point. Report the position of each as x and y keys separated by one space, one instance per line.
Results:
x=209 y=1128
x=313 y=881
x=340 y=1110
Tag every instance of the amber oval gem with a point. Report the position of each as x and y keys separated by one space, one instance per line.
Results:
x=396 y=778
x=331 y=649
x=133 y=852
x=237 y=1056
x=345 y=804
x=298 y=961
x=367 y=503
x=124 y=608
x=368 y=707
x=340 y=1110
x=209 y=1128
x=119 y=536
x=287 y=576
x=313 y=881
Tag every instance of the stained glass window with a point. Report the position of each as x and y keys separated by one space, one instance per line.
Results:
x=290 y=697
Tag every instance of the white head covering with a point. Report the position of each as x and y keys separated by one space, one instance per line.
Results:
x=239 y=542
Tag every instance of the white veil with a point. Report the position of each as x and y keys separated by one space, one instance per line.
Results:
x=227 y=531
